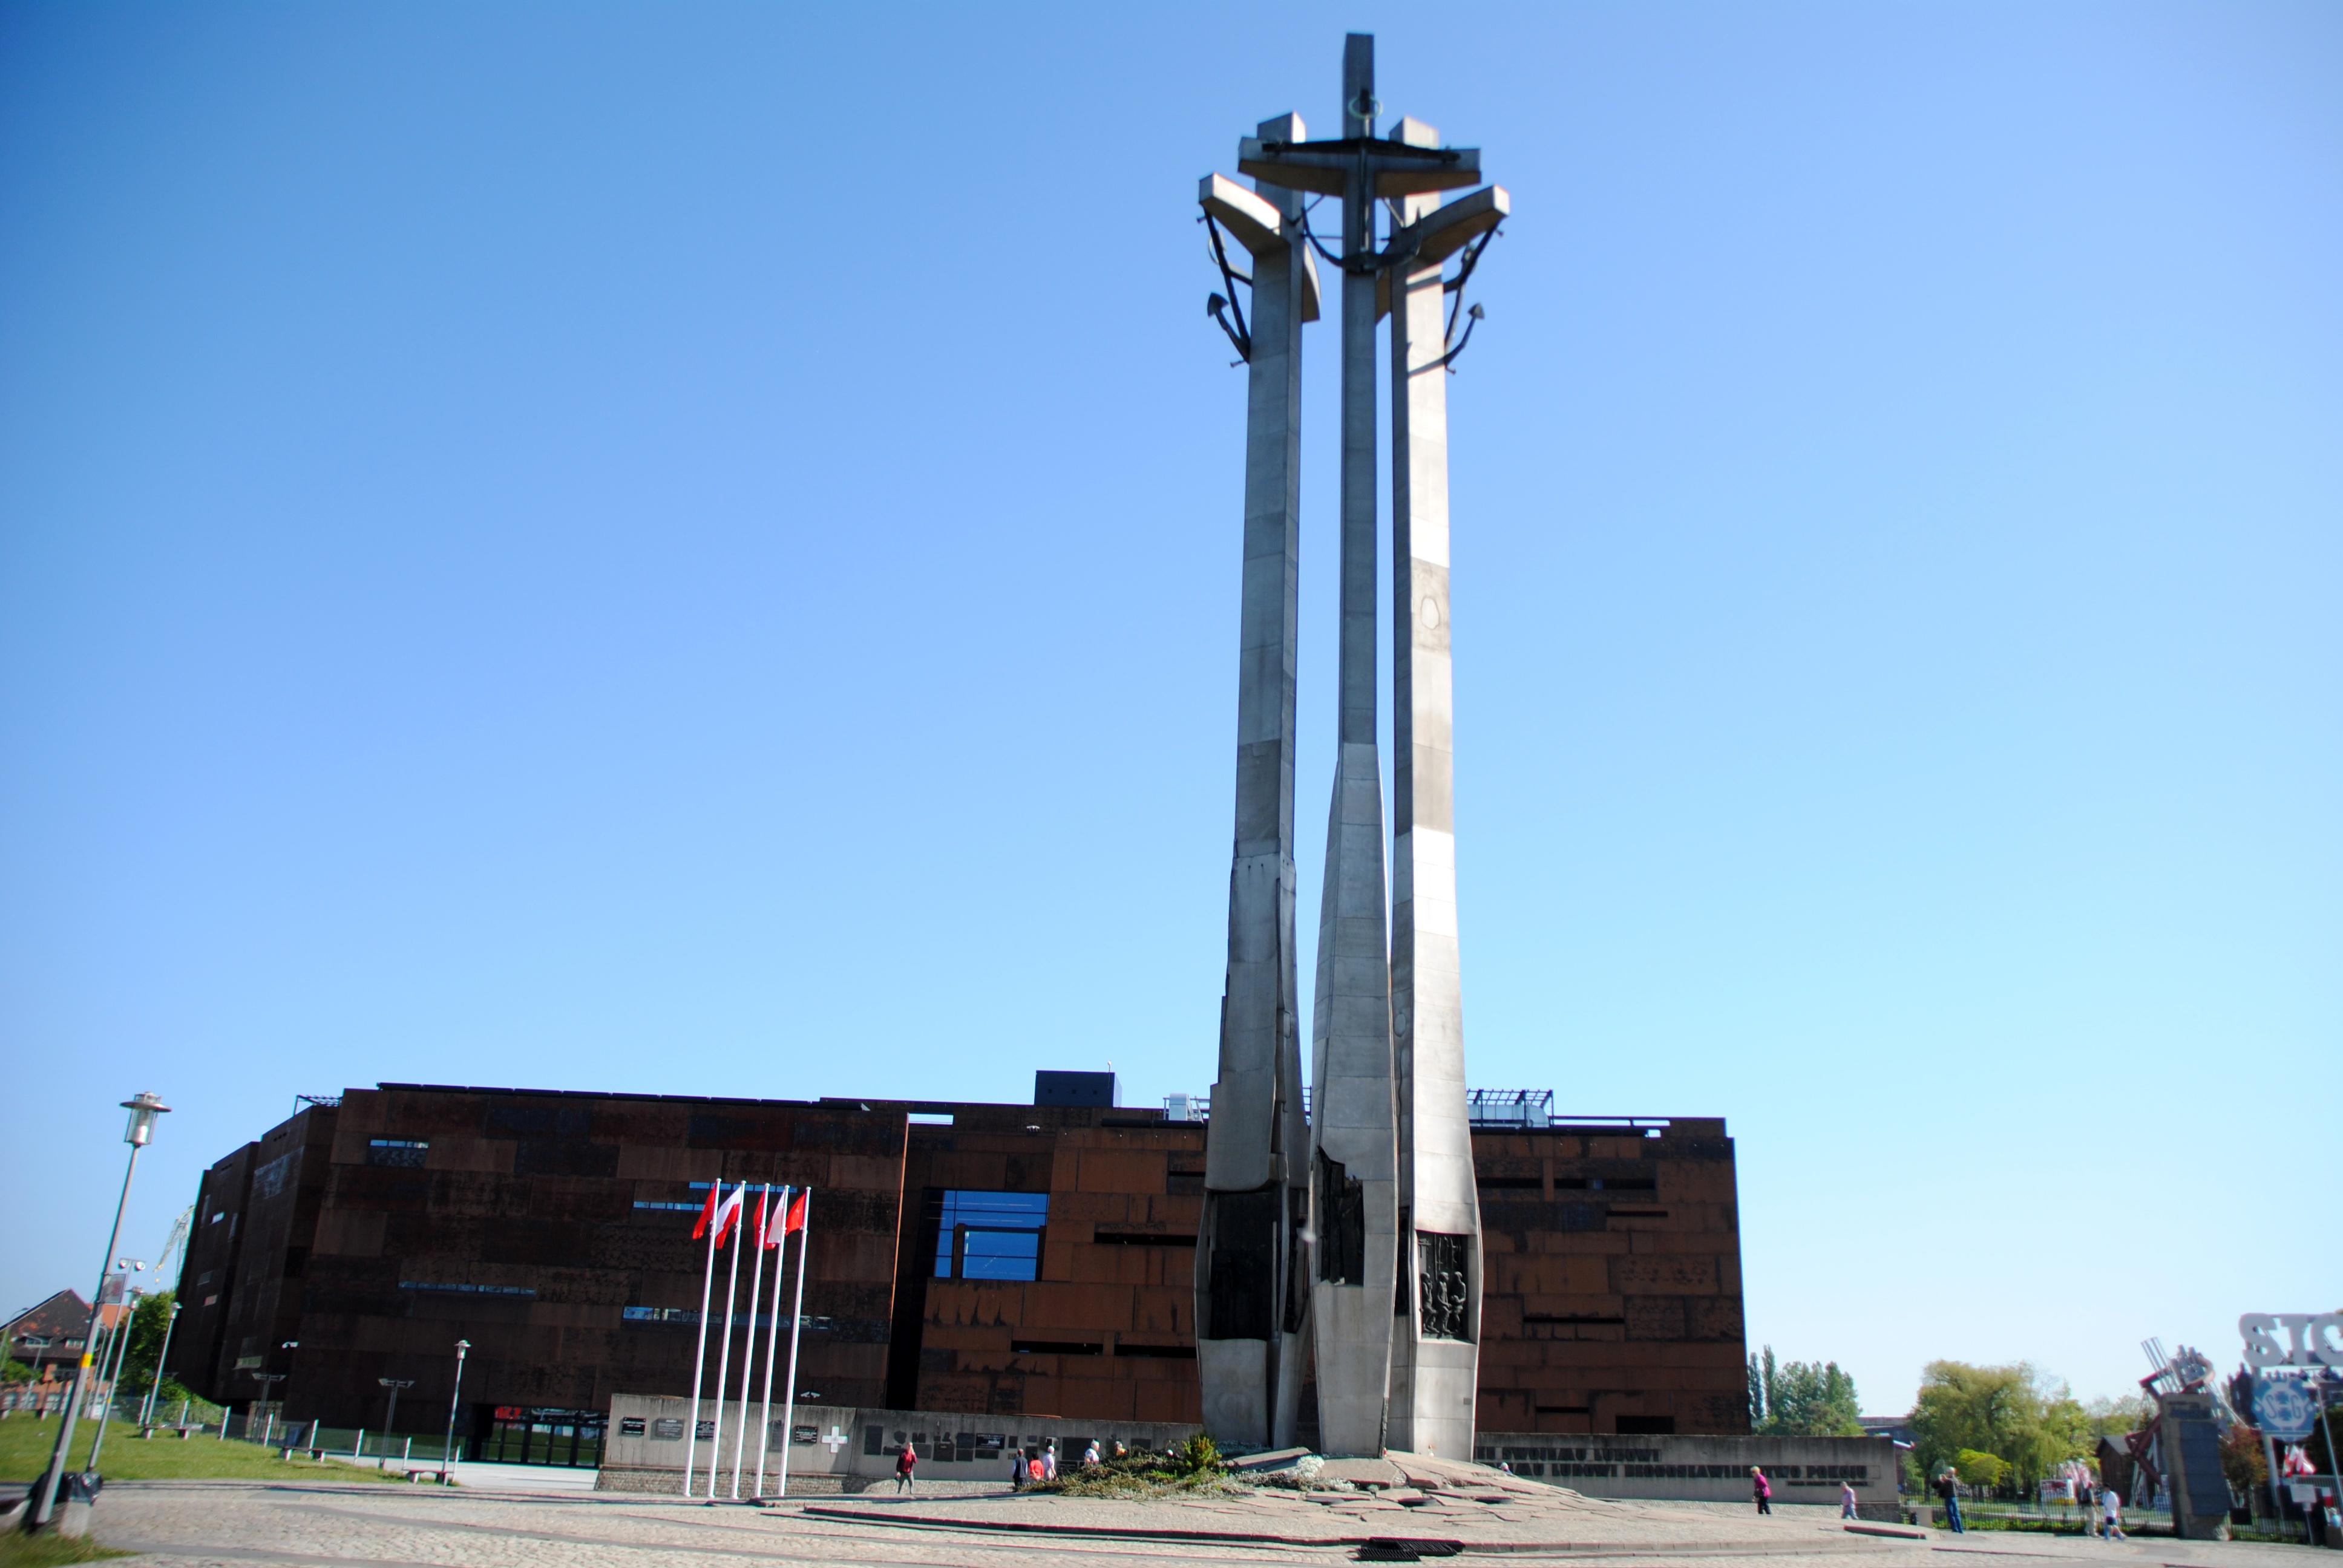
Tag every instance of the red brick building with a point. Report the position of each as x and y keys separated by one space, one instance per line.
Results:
x=976 y=1258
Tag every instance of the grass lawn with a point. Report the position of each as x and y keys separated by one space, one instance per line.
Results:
x=18 y=1549
x=25 y=1445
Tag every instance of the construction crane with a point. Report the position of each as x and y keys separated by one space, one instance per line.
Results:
x=178 y=1243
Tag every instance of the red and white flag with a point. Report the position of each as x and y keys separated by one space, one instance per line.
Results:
x=721 y=1212
x=796 y=1218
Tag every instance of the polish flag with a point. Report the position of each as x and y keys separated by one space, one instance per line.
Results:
x=774 y=1236
x=757 y=1225
x=721 y=1212
x=795 y=1221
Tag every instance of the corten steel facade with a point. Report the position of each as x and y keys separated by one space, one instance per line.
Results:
x=980 y=1257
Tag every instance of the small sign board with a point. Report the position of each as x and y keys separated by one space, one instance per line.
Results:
x=2283 y=1408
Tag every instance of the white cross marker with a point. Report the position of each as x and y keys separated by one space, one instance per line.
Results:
x=835 y=1440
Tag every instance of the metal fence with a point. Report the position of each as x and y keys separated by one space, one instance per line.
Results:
x=354 y=1443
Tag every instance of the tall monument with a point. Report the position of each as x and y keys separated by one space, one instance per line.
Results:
x=1390 y=1211
x=1252 y=1317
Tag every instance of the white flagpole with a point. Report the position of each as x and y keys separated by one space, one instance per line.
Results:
x=749 y=1351
x=699 y=1357
x=797 y=1315
x=724 y=1361
x=772 y=1341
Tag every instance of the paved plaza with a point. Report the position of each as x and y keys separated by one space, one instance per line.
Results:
x=243 y=1523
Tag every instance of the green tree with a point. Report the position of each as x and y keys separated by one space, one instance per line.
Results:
x=148 y=1323
x=1978 y=1468
x=2242 y=1462
x=2014 y=1413
x=1811 y=1399
x=14 y=1371
x=2116 y=1418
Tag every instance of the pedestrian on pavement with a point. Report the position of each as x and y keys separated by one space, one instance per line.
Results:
x=1119 y=1451
x=1762 y=1490
x=1846 y=1499
x=2111 y=1507
x=905 y=1463
x=1090 y=1454
x=1050 y=1461
x=1016 y=1470
x=1948 y=1487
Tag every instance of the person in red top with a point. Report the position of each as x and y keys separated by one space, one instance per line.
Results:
x=1761 y=1489
x=905 y=1462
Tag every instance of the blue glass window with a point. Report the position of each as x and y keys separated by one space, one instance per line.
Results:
x=990 y=1235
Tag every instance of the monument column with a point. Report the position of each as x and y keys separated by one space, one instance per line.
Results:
x=1355 y=1150
x=1435 y=1355
x=1353 y=1127
x=1251 y=1321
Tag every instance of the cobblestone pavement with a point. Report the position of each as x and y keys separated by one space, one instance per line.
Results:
x=239 y=1524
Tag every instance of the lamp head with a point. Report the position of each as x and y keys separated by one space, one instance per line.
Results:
x=1214 y=304
x=144 y=1109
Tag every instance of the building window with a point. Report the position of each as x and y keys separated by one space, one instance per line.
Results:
x=654 y=1203
x=988 y=1235
x=439 y=1287
x=395 y=1151
x=662 y=1315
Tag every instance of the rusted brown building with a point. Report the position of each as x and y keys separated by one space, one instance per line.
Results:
x=976 y=1258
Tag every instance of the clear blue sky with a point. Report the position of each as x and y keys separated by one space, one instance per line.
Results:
x=694 y=548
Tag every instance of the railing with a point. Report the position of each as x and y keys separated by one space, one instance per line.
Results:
x=1485 y=1108
x=354 y=1443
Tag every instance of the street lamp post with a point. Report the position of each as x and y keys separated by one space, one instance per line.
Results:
x=448 y=1447
x=161 y=1359
x=144 y=1109
x=390 y=1422
x=285 y=1401
x=126 y=1321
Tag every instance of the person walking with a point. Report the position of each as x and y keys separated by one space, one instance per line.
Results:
x=1762 y=1490
x=1050 y=1461
x=1016 y=1470
x=1948 y=1487
x=1846 y=1499
x=2111 y=1510
x=905 y=1463
x=1090 y=1454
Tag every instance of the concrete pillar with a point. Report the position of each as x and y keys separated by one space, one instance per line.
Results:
x=1354 y=1131
x=1434 y=1354
x=1252 y=1316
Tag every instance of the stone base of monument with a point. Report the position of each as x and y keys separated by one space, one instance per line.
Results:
x=1398 y=1508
